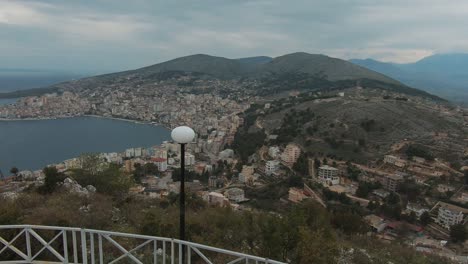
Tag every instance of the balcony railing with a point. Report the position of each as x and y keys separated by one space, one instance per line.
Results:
x=52 y=244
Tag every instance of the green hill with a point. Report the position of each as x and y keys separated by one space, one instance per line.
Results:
x=294 y=71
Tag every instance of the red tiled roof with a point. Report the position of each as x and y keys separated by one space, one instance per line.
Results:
x=158 y=159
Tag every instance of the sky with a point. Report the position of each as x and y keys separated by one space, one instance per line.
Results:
x=98 y=36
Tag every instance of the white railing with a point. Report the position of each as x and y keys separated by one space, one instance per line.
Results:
x=52 y=244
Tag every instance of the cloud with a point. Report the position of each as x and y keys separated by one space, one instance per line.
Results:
x=111 y=35
x=69 y=23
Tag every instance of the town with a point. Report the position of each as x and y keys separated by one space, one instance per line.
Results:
x=405 y=195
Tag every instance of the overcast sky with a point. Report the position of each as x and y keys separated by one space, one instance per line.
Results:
x=110 y=35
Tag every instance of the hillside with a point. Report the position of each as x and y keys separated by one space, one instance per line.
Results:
x=363 y=126
x=294 y=71
x=441 y=74
x=255 y=60
x=321 y=66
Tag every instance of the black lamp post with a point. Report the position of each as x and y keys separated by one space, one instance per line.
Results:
x=182 y=135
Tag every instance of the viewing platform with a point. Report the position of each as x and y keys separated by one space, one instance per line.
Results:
x=53 y=244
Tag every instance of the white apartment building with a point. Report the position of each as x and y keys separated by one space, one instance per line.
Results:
x=328 y=175
x=130 y=153
x=274 y=152
x=450 y=215
x=390 y=159
x=138 y=152
x=291 y=154
x=217 y=199
x=271 y=167
x=235 y=194
x=161 y=163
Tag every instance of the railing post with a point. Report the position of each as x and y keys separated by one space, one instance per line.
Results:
x=75 y=247
x=84 y=252
x=172 y=251
x=28 y=244
x=155 y=252
x=181 y=253
x=65 y=246
x=101 y=253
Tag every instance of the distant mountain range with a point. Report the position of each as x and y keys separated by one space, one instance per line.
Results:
x=313 y=64
x=295 y=71
x=445 y=75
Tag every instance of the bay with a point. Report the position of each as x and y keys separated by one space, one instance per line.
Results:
x=31 y=145
x=7 y=101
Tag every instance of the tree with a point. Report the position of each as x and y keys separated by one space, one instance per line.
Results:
x=317 y=246
x=410 y=189
x=373 y=205
x=302 y=164
x=316 y=164
x=458 y=233
x=106 y=177
x=348 y=222
x=425 y=218
x=52 y=177
x=14 y=171
x=362 y=190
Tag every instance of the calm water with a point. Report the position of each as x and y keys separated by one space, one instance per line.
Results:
x=34 y=144
x=7 y=101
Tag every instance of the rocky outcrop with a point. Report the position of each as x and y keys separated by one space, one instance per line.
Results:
x=72 y=186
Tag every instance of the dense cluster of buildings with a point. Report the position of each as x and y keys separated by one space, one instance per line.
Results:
x=47 y=106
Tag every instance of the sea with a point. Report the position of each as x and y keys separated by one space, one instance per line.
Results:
x=7 y=101
x=33 y=144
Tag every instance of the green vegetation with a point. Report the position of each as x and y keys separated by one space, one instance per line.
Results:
x=14 y=171
x=52 y=177
x=302 y=164
x=108 y=178
x=141 y=171
x=190 y=176
x=425 y=218
x=458 y=233
x=419 y=151
x=368 y=125
x=365 y=188
x=410 y=189
x=303 y=234
x=292 y=125
x=245 y=143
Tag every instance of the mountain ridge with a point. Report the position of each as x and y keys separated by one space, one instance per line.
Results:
x=306 y=70
x=441 y=74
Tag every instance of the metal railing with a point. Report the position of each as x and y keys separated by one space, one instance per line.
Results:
x=52 y=244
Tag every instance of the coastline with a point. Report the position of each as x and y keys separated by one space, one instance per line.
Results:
x=94 y=116
x=35 y=118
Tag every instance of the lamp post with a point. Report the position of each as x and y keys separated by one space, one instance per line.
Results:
x=182 y=135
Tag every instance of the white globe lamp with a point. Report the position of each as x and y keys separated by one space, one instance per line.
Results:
x=183 y=134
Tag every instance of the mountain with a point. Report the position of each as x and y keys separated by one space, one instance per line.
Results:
x=318 y=65
x=200 y=63
x=448 y=63
x=323 y=66
x=255 y=60
x=299 y=70
x=441 y=74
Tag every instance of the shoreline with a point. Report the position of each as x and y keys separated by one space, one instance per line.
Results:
x=35 y=119
x=93 y=116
